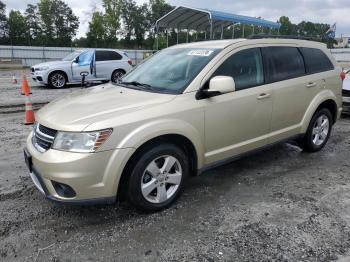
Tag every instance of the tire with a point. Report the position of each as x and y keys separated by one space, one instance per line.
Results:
x=117 y=75
x=157 y=177
x=318 y=132
x=57 y=80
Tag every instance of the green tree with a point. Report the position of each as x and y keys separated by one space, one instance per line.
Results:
x=287 y=28
x=32 y=19
x=17 y=28
x=3 y=23
x=96 y=35
x=58 y=22
x=133 y=21
x=112 y=17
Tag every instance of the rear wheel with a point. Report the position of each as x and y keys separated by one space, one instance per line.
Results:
x=117 y=75
x=57 y=80
x=157 y=178
x=318 y=132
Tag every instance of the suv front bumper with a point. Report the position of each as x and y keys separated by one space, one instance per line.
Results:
x=93 y=177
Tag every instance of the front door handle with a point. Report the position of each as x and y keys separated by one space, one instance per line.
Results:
x=263 y=96
x=311 y=84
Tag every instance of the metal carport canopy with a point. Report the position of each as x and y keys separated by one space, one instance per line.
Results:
x=202 y=19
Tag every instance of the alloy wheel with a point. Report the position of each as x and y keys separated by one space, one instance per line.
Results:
x=58 y=80
x=117 y=76
x=161 y=179
x=320 y=130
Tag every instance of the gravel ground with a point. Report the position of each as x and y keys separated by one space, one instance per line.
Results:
x=277 y=205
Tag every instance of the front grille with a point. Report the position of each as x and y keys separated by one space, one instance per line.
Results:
x=346 y=92
x=43 y=137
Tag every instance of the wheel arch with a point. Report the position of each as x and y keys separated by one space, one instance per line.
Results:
x=118 y=69
x=58 y=71
x=172 y=138
x=325 y=99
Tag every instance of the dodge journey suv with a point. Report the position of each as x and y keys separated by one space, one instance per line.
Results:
x=186 y=109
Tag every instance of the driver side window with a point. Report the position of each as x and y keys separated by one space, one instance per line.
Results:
x=245 y=67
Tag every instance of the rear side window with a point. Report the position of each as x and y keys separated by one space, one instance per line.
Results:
x=245 y=67
x=107 y=56
x=282 y=63
x=315 y=60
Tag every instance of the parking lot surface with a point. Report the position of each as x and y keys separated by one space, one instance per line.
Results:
x=280 y=204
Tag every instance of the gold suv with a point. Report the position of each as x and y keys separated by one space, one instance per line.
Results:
x=186 y=109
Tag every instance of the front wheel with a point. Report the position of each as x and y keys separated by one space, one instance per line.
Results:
x=117 y=75
x=318 y=132
x=57 y=80
x=157 y=178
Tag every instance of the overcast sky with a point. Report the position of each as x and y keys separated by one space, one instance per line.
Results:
x=322 y=11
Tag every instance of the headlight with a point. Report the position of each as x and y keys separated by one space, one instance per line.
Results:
x=42 y=68
x=80 y=142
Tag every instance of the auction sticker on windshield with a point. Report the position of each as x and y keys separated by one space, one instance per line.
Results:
x=200 y=52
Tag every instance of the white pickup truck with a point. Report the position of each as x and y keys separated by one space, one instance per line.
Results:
x=99 y=65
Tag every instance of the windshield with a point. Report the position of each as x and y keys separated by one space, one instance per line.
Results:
x=71 y=56
x=170 y=70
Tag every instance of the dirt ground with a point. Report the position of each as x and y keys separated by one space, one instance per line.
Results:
x=277 y=205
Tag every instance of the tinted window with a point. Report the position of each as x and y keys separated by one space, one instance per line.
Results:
x=245 y=67
x=283 y=63
x=107 y=55
x=316 y=61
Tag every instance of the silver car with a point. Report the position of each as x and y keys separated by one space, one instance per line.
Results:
x=100 y=65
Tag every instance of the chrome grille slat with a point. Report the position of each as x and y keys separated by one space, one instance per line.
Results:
x=43 y=138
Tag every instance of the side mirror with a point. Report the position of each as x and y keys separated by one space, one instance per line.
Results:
x=218 y=85
x=76 y=60
x=222 y=85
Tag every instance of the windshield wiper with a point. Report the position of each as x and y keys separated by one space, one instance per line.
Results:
x=135 y=83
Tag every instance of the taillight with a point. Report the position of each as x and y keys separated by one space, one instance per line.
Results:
x=342 y=75
x=130 y=62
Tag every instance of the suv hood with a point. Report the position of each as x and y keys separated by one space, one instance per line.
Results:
x=75 y=111
x=53 y=64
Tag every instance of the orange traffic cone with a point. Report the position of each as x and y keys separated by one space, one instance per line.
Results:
x=14 y=80
x=29 y=113
x=25 y=86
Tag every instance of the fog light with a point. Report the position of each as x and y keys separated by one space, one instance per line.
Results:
x=63 y=190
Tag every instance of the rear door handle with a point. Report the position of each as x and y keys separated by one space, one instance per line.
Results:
x=263 y=96
x=311 y=84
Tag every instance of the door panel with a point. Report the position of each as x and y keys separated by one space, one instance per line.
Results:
x=290 y=102
x=293 y=90
x=86 y=60
x=237 y=122
x=106 y=62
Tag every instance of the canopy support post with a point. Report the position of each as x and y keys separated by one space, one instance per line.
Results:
x=167 y=38
x=253 y=29
x=233 y=31
x=205 y=35
x=211 y=30
x=187 y=36
x=222 y=31
x=157 y=44
x=243 y=30
x=177 y=36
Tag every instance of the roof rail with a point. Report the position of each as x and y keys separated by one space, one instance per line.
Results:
x=261 y=36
